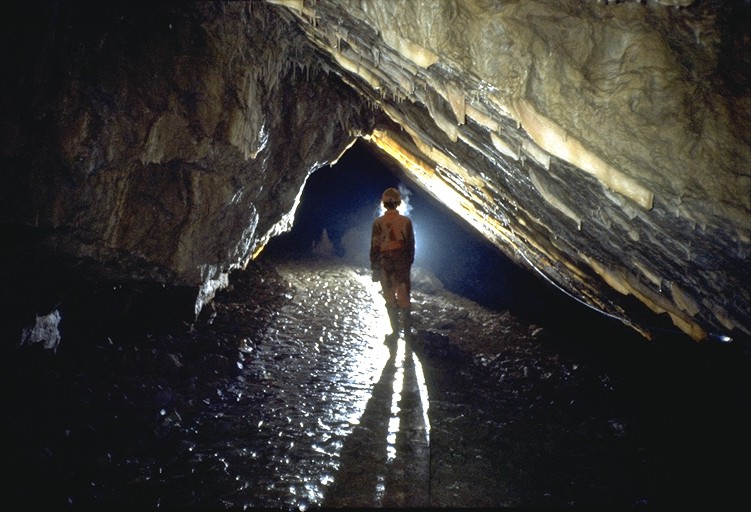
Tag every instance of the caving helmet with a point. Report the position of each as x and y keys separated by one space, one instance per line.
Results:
x=391 y=195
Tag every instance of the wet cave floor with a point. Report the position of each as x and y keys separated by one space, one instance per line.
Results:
x=284 y=395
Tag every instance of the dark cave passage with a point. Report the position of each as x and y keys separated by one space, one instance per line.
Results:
x=273 y=394
x=150 y=147
x=342 y=201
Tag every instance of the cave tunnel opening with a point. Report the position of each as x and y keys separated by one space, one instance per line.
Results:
x=343 y=200
x=334 y=218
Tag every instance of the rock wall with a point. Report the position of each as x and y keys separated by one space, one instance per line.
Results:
x=604 y=145
x=162 y=143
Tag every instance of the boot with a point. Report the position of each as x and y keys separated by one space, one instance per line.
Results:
x=407 y=322
x=394 y=319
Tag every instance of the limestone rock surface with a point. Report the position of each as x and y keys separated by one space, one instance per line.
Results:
x=604 y=145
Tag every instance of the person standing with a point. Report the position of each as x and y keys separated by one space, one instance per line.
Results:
x=392 y=252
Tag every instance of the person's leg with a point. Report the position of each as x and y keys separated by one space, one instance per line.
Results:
x=407 y=310
x=406 y=314
x=390 y=297
x=403 y=299
x=393 y=313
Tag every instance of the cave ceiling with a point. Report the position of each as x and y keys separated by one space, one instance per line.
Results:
x=605 y=146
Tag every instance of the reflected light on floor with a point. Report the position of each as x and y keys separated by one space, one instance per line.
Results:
x=376 y=317
x=370 y=361
x=398 y=386
x=379 y=326
x=423 y=396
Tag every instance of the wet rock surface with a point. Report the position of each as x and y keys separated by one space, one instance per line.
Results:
x=284 y=395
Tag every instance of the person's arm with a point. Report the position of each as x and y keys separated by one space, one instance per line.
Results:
x=375 y=251
x=409 y=243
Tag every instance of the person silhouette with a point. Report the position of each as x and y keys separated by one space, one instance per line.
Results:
x=392 y=253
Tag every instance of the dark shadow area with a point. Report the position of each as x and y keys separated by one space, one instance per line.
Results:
x=40 y=284
x=381 y=467
x=356 y=481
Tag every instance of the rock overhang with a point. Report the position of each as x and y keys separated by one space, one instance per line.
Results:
x=566 y=133
x=599 y=144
